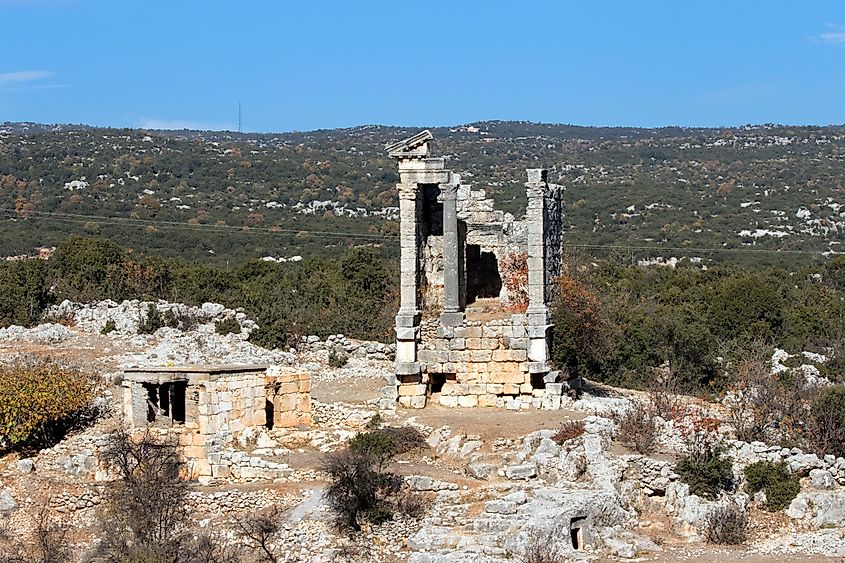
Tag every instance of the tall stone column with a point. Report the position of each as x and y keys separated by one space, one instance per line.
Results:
x=537 y=314
x=407 y=319
x=452 y=315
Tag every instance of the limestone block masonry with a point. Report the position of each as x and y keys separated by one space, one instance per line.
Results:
x=461 y=338
x=206 y=407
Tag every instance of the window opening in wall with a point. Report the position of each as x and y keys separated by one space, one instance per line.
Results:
x=167 y=400
x=164 y=399
x=152 y=401
x=538 y=381
x=177 y=401
x=482 y=274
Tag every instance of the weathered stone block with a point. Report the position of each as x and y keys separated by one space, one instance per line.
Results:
x=490 y=343
x=510 y=389
x=457 y=344
x=476 y=389
x=487 y=400
x=473 y=332
x=448 y=401
x=495 y=388
x=468 y=400
x=417 y=402
x=412 y=390
x=480 y=355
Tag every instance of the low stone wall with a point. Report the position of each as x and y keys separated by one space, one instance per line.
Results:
x=339 y=344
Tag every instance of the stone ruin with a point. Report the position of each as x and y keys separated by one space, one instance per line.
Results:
x=469 y=331
x=207 y=406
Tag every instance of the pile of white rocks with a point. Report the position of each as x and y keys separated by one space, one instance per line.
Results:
x=127 y=316
x=340 y=344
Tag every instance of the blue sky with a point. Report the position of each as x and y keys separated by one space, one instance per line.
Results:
x=319 y=64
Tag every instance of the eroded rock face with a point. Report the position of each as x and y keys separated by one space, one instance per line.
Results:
x=820 y=509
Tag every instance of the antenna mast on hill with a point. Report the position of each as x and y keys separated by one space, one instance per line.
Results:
x=240 y=128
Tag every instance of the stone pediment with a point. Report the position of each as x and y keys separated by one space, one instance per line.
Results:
x=415 y=146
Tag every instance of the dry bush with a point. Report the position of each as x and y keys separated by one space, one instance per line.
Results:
x=145 y=514
x=40 y=401
x=360 y=491
x=826 y=423
x=207 y=549
x=413 y=505
x=727 y=524
x=569 y=430
x=541 y=546
x=759 y=399
x=637 y=430
x=663 y=397
x=258 y=533
x=404 y=438
x=44 y=544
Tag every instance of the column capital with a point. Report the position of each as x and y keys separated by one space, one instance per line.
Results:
x=537 y=175
x=406 y=191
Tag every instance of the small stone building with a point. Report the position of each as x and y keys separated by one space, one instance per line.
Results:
x=206 y=406
x=468 y=331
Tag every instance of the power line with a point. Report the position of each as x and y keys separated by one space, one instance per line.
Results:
x=116 y=221
x=692 y=249
x=83 y=218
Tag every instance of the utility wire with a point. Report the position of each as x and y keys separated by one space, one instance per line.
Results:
x=83 y=218
x=117 y=221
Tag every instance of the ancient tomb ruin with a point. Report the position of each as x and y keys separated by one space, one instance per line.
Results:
x=469 y=331
x=206 y=406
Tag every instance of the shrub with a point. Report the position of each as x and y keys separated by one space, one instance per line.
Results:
x=23 y=292
x=337 y=359
x=152 y=322
x=259 y=532
x=41 y=401
x=359 y=490
x=46 y=542
x=145 y=514
x=775 y=480
x=228 y=325
x=704 y=468
x=569 y=430
x=706 y=478
x=542 y=546
x=109 y=327
x=826 y=424
x=727 y=525
x=637 y=429
x=383 y=444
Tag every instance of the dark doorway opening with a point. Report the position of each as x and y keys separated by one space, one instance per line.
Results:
x=269 y=413
x=483 y=279
x=177 y=402
x=437 y=381
x=577 y=531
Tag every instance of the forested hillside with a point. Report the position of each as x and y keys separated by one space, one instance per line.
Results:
x=229 y=196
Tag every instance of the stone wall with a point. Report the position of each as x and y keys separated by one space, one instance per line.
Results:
x=478 y=363
x=290 y=395
x=220 y=403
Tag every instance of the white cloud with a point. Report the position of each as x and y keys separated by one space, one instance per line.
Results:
x=22 y=76
x=153 y=123
x=833 y=35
